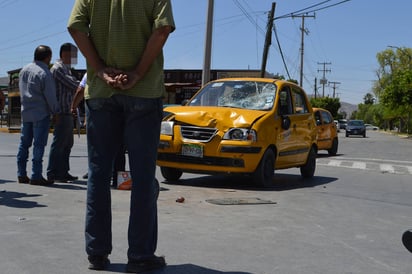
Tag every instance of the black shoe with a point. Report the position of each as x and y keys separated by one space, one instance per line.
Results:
x=85 y=176
x=139 y=266
x=98 y=262
x=40 y=182
x=23 y=179
x=69 y=177
x=407 y=240
x=65 y=179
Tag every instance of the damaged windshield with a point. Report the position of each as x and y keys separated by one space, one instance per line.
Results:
x=238 y=94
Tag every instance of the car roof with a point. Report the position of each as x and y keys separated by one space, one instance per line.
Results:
x=316 y=108
x=257 y=79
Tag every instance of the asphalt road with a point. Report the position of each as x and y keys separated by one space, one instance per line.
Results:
x=348 y=219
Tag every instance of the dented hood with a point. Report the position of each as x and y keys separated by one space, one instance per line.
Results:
x=220 y=117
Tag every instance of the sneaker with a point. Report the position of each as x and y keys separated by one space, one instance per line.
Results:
x=23 y=179
x=40 y=182
x=98 y=262
x=407 y=240
x=139 y=266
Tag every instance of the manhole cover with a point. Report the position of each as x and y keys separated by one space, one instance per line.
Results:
x=239 y=201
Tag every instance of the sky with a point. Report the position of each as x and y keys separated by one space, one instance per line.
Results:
x=345 y=37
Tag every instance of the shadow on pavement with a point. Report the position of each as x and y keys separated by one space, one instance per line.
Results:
x=76 y=185
x=177 y=269
x=13 y=199
x=281 y=182
x=324 y=154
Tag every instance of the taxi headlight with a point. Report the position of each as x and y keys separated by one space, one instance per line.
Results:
x=242 y=134
x=166 y=128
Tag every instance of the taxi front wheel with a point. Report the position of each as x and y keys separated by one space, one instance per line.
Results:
x=263 y=175
x=171 y=174
x=308 y=170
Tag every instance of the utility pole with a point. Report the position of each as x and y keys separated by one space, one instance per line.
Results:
x=334 y=87
x=302 y=43
x=323 y=81
x=268 y=40
x=208 y=44
x=316 y=86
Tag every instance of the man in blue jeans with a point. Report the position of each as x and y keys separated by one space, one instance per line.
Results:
x=66 y=85
x=122 y=42
x=38 y=102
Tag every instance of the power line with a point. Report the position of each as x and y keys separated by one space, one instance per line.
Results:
x=333 y=5
x=281 y=52
x=304 y=11
x=35 y=40
x=301 y=10
x=248 y=16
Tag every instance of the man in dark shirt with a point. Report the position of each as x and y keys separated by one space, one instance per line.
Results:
x=66 y=85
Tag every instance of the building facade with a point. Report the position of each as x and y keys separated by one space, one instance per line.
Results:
x=180 y=84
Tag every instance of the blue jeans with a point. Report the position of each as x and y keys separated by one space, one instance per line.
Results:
x=135 y=122
x=61 y=147
x=35 y=133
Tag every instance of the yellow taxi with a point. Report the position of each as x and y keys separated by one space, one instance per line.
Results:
x=327 y=131
x=249 y=126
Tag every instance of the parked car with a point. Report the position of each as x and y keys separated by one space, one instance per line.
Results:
x=371 y=127
x=355 y=127
x=337 y=125
x=248 y=126
x=342 y=123
x=327 y=131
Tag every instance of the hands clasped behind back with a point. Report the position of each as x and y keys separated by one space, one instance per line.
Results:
x=117 y=78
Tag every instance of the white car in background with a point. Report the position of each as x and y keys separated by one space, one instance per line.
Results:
x=371 y=127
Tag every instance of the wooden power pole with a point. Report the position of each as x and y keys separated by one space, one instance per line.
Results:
x=302 y=43
x=208 y=44
x=268 y=40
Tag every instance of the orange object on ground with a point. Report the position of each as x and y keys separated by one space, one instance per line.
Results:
x=124 y=180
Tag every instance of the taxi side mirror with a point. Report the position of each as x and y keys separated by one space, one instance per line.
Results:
x=285 y=122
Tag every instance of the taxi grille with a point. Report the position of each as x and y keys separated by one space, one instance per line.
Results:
x=200 y=134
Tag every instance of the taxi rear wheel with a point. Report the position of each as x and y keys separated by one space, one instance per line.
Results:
x=171 y=174
x=308 y=170
x=263 y=175
x=334 y=149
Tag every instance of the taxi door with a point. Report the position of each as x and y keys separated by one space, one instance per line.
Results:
x=323 y=123
x=304 y=128
x=286 y=137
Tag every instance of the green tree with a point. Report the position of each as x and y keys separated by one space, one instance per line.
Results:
x=369 y=99
x=394 y=84
x=330 y=104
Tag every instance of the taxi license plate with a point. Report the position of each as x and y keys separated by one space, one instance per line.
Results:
x=192 y=150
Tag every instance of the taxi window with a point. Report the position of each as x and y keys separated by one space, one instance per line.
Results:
x=318 y=118
x=253 y=95
x=327 y=119
x=285 y=104
x=299 y=101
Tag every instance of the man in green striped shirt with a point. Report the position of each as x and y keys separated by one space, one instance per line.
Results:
x=122 y=41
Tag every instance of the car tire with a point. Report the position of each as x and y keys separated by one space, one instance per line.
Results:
x=263 y=175
x=171 y=174
x=334 y=149
x=308 y=169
